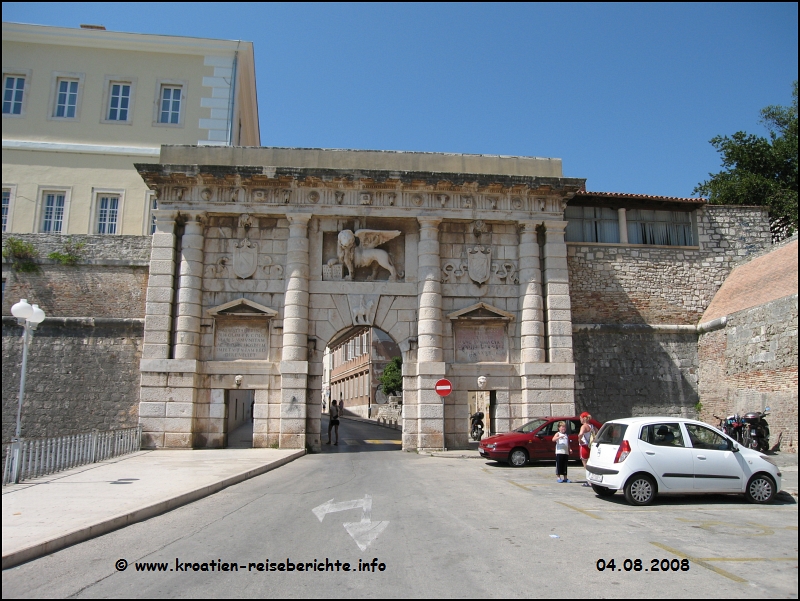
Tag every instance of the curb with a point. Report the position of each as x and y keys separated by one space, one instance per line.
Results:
x=85 y=533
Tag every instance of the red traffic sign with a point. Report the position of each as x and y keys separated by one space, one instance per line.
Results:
x=443 y=387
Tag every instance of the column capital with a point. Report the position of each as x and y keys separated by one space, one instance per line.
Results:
x=528 y=226
x=195 y=217
x=429 y=221
x=298 y=218
x=165 y=215
x=555 y=226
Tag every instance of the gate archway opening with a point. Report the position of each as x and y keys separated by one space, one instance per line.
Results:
x=353 y=363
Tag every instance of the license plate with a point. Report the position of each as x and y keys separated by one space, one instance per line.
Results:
x=595 y=477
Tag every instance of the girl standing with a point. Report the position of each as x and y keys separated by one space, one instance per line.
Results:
x=562 y=452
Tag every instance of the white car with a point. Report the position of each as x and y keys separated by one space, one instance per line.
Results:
x=645 y=456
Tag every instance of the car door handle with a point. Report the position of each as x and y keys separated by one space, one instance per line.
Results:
x=701 y=456
x=650 y=452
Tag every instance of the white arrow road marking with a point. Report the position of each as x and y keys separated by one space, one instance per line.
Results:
x=363 y=532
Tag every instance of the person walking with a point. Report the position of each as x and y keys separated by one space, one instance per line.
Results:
x=333 y=421
x=561 y=438
x=585 y=435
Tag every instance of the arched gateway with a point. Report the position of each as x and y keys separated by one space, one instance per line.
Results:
x=262 y=255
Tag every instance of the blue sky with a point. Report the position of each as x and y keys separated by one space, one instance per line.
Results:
x=628 y=95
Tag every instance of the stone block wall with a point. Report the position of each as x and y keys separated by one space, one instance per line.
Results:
x=624 y=372
x=751 y=364
x=110 y=280
x=82 y=374
x=614 y=283
x=83 y=364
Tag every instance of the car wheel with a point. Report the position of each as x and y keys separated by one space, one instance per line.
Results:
x=602 y=490
x=760 y=489
x=517 y=458
x=640 y=490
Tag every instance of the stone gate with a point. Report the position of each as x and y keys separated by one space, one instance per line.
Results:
x=262 y=256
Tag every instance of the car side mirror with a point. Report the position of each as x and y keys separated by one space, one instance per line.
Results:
x=734 y=447
x=541 y=434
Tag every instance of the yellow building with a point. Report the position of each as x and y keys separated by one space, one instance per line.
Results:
x=81 y=106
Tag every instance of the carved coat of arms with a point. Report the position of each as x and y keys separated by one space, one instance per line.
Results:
x=479 y=263
x=245 y=258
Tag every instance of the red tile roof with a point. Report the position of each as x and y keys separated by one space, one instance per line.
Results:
x=625 y=196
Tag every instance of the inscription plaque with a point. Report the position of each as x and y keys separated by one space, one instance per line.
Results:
x=484 y=343
x=241 y=341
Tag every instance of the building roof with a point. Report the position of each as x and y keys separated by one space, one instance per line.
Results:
x=646 y=197
x=764 y=279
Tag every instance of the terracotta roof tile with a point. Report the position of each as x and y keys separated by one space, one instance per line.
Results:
x=626 y=196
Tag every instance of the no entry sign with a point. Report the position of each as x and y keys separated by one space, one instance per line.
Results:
x=443 y=387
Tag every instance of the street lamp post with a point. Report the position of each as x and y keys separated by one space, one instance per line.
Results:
x=28 y=316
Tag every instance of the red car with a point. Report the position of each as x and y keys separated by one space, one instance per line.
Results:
x=532 y=441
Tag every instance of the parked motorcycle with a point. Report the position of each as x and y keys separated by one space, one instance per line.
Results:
x=755 y=430
x=476 y=425
x=731 y=425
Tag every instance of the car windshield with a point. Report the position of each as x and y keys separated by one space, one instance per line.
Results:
x=531 y=426
x=611 y=433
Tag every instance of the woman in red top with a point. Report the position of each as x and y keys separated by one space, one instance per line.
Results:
x=584 y=438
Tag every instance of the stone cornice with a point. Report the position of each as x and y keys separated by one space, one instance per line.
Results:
x=245 y=175
x=276 y=190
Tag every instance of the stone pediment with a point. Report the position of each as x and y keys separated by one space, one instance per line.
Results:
x=482 y=312
x=242 y=307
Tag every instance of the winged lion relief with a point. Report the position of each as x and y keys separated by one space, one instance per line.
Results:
x=359 y=249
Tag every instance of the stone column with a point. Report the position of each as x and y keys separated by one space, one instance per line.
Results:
x=530 y=289
x=623 y=226
x=430 y=357
x=556 y=291
x=160 y=289
x=190 y=289
x=157 y=331
x=294 y=358
x=532 y=330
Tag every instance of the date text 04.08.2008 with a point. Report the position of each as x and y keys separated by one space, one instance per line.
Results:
x=636 y=565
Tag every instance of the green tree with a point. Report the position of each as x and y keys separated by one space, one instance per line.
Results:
x=392 y=377
x=760 y=171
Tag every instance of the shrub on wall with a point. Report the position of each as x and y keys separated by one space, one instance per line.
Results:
x=73 y=252
x=22 y=255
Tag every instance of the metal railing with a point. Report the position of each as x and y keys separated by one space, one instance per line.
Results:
x=27 y=458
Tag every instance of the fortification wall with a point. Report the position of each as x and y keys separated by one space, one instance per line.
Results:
x=82 y=374
x=615 y=283
x=83 y=362
x=629 y=371
x=751 y=364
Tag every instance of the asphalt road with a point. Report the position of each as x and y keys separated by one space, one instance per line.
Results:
x=439 y=527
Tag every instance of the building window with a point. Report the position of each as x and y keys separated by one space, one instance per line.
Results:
x=119 y=93
x=170 y=110
x=53 y=212
x=107 y=214
x=6 y=207
x=592 y=224
x=67 y=98
x=106 y=210
x=170 y=101
x=119 y=102
x=13 y=95
x=152 y=202
x=661 y=228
